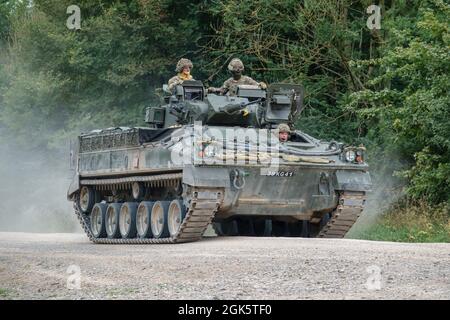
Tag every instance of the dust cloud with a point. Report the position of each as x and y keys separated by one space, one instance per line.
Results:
x=33 y=186
x=386 y=191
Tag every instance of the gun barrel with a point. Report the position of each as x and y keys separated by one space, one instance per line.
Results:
x=230 y=108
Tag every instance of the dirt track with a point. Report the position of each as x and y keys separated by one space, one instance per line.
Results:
x=34 y=266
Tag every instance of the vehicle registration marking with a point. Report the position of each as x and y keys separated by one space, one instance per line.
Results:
x=280 y=173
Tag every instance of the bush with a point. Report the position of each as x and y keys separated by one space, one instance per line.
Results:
x=407 y=221
x=405 y=107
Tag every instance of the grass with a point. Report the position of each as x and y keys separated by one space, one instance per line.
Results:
x=5 y=293
x=410 y=222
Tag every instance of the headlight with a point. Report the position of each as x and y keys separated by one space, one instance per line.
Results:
x=353 y=154
x=350 y=156
x=360 y=156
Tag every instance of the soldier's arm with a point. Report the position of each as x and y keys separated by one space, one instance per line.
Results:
x=214 y=90
x=222 y=90
x=250 y=81
x=225 y=86
x=173 y=82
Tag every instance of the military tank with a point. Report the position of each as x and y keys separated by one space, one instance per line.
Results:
x=210 y=159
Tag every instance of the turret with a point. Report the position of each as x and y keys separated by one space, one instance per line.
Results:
x=251 y=107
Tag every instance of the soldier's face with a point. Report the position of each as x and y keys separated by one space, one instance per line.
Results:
x=186 y=70
x=283 y=136
x=237 y=74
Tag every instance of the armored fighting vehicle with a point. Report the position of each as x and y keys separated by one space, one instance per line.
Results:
x=208 y=159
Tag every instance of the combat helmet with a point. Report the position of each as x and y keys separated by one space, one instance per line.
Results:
x=183 y=63
x=283 y=127
x=236 y=65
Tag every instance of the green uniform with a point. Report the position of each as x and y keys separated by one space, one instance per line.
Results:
x=180 y=77
x=231 y=85
x=176 y=80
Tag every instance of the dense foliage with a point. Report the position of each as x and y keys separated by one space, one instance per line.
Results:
x=385 y=88
x=405 y=105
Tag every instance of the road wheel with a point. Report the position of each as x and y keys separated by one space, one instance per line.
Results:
x=175 y=216
x=158 y=220
x=87 y=199
x=137 y=190
x=263 y=227
x=98 y=226
x=143 y=215
x=112 y=220
x=127 y=220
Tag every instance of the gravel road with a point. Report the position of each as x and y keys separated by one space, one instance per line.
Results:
x=45 y=266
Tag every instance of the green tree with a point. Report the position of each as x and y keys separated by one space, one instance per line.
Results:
x=406 y=105
x=308 y=42
x=62 y=81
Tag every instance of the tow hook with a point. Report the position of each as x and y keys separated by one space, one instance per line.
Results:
x=238 y=178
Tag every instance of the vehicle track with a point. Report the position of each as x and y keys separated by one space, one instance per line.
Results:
x=203 y=205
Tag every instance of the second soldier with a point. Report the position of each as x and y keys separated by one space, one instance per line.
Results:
x=236 y=67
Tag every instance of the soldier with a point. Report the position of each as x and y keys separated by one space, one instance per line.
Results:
x=283 y=132
x=230 y=86
x=183 y=68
